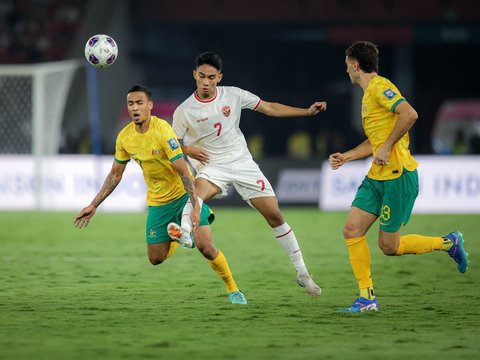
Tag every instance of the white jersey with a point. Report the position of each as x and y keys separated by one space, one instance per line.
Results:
x=213 y=125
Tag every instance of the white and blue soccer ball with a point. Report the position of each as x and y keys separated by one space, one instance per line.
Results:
x=101 y=51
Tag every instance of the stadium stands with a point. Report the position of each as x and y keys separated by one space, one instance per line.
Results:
x=330 y=11
x=38 y=30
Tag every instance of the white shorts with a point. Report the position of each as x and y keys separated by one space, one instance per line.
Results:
x=244 y=175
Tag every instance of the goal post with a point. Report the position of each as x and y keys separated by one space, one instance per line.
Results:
x=34 y=98
x=32 y=103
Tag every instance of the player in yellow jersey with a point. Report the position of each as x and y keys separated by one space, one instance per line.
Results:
x=390 y=188
x=151 y=142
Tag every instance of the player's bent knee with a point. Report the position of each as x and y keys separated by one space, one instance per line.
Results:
x=275 y=219
x=388 y=250
x=388 y=246
x=156 y=260
x=350 y=232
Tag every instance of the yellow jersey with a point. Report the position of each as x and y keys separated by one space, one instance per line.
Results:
x=154 y=151
x=379 y=101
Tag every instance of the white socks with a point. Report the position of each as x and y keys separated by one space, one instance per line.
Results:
x=287 y=239
x=186 y=223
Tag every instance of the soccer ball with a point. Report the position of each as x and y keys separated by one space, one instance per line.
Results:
x=101 y=51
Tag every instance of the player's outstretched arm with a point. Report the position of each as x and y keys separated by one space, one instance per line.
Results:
x=180 y=166
x=111 y=182
x=281 y=110
x=361 y=151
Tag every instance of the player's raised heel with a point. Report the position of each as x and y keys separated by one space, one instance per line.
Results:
x=457 y=251
x=361 y=305
x=237 y=297
x=177 y=234
x=306 y=282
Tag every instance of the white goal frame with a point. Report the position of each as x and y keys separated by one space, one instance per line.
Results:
x=50 y=85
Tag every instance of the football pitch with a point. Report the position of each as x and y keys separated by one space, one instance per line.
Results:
x=67 y=293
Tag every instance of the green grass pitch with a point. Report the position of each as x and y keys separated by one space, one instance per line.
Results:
x=67 y=293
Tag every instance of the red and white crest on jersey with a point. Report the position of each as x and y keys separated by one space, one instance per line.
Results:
x=226 y=111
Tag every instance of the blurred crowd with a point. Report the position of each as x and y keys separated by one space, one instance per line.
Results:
x=34 y=31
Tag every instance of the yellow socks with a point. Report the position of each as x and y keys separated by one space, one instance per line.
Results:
x=359 y=255
x=173 y=247
x=220 y=266
x=447 y=244
x=419 y=244
x=367 y=293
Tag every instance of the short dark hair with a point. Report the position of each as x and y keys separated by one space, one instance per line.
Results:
x=141 y=88
x=366 y=53
x=209 y=58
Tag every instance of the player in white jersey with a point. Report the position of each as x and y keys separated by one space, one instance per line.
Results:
x=208 y=125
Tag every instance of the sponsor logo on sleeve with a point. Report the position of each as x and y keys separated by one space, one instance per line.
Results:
x=389 y=93
x=173 y=143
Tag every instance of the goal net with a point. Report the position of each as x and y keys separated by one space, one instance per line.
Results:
x=32 y=101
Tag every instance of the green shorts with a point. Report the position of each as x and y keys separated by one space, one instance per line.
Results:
x=391 y=200
x=160 y=216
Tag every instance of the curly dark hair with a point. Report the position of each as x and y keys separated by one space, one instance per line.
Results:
x=366 y=53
